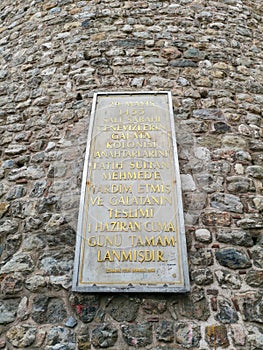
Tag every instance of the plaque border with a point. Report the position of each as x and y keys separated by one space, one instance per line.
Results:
x=129 y=287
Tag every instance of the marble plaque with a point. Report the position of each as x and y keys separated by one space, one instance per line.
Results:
x=130 y=234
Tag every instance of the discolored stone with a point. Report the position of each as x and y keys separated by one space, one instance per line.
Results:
x=203 y=235
x=8 y=310
x=235 y=237
x=183 y=63
x=104 y=336
x=202 y=277
x=233 y=258
x=9 y=246
x=257 y=256
x=226 y=314
x=16 y=192
x=154 y=305
x=83 y=342
x=203 y=257
x=255 y=337
x=34 y=283
x=137 y=335
x=165 y=331
x=255 y=171
x=12 y=284
x=226 y=202
x=251 y=222
x=254 y=278
x=71 y=322
x=194 y=307
x=85 y=306
x=122 y=308
x=216 y=335
x=208 y=114
x=228 y=279
x=233 y=142
x=60 y=338
x=48 y=310
x=38 y=188
x=21 y=336
x=20 y=262
x=213 y=218
x=8 y=226
x=238 y=184
x=238 y=334
x=187 y=334
x=3 y=208
x=56 y=263
x=252 y=305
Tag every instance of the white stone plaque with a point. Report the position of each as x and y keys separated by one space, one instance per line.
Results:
x=130 y=234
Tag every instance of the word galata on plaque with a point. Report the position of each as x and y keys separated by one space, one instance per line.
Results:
x=130 y=235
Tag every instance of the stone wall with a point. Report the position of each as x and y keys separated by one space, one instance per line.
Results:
x=54 y=55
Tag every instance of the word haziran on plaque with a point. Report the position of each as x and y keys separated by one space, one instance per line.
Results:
x=130 y=235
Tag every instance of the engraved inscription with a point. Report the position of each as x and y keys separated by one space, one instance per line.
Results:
x=130 y=230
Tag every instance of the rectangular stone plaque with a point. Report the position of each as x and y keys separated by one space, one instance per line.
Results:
x=130 y=235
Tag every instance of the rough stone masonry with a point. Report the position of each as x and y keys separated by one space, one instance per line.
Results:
x=54 y=55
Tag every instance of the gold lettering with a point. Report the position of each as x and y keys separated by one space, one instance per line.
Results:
x=140 y=256
x=126 y=153
x=158 y=226
x=128 y=175
x=131 y=213
x=161 y=200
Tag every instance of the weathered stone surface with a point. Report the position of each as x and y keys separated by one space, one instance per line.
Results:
x=85 y=306
x=194 y=306
x=226 y=202
x=56 y=263
x=71 y=322
x=255 y=171
x=34 y=283
x=19 y=263
x=254 y=278
x=122 y=308
x=10 y=246
x=233 y=142
x=252 y=308
x=238 y=334
x=213 y=218
x=226 y=314
x=238 y=184
x=137 y=335
x=48 y=310
x=202 y=257
x=203 y=235
x=228 y=279
x=154 y=305
x=21 y=336
x=104 y=336
x=16 y=192
x=8 y=226
x=187 y=183
x=235 y=237
x=233 y=258
x=8 y=310
x=257 y=256
x=165 y=331
x=255 y=337
x=187 y=334
x=60 y=338
x=216 y=335
x=202 y=276
x=210 y=114
x=12 y=284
